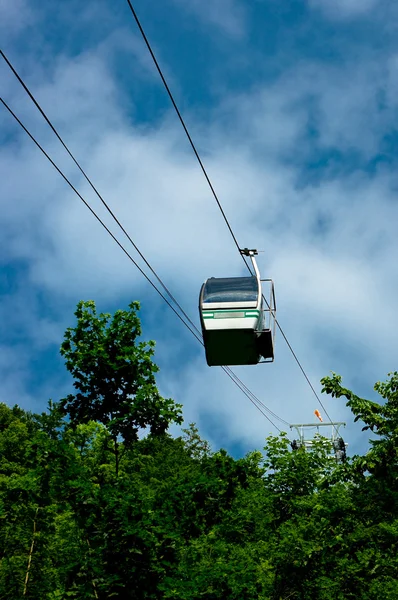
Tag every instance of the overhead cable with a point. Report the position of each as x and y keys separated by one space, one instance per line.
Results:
x=227 y=370
x=253 y=399
x=96 y=216
x=91 y=184
x=207 y=176
x=191 y=327
x=256 y=399
x=213 y=191
x=304 y=373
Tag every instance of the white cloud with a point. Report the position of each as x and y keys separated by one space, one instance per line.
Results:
x=341 y=9
x=226 y=15
x=336 y=282
x=348 y=108
x=15 y=15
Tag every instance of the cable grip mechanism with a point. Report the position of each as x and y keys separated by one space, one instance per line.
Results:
x=247 y=252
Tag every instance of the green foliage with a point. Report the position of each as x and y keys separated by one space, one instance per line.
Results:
x=179 y=521
x=114 y=374
x=382 y=420
x=197 y=447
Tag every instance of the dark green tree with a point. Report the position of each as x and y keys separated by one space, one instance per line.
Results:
x=114 y=375
x=381 y=419
x=181 y=522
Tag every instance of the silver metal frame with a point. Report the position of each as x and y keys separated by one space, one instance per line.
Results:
x=299 y=427
x=271 y=310
x=271 y=305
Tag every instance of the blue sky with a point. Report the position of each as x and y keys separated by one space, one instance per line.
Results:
x=293 y=106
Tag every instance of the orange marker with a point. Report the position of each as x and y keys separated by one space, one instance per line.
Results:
x=318 y=414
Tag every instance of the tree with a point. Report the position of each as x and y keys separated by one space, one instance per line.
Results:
x=373 y=484
x=114 y=374
x=381 y=461
x=180 y=521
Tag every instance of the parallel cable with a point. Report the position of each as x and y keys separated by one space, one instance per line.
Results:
x=96 y=216
x=119 y=223
x=228 y=371
x=236 y=379
x=257 y=403
x=92 y=185
x=208 y=178
x=185 y=129
x=194 y=330
x=305 y=374
x=298 y=362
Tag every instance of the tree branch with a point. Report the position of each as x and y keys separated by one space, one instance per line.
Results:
x=30 y=554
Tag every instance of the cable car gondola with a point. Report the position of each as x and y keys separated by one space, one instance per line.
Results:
x=238 y=323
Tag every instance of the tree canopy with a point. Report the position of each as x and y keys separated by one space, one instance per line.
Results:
x=92 y=508
x=114 y=375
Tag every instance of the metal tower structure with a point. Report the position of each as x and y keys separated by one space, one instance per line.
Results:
x=305 y=432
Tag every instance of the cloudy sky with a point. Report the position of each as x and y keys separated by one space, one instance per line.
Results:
x=293 y=106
